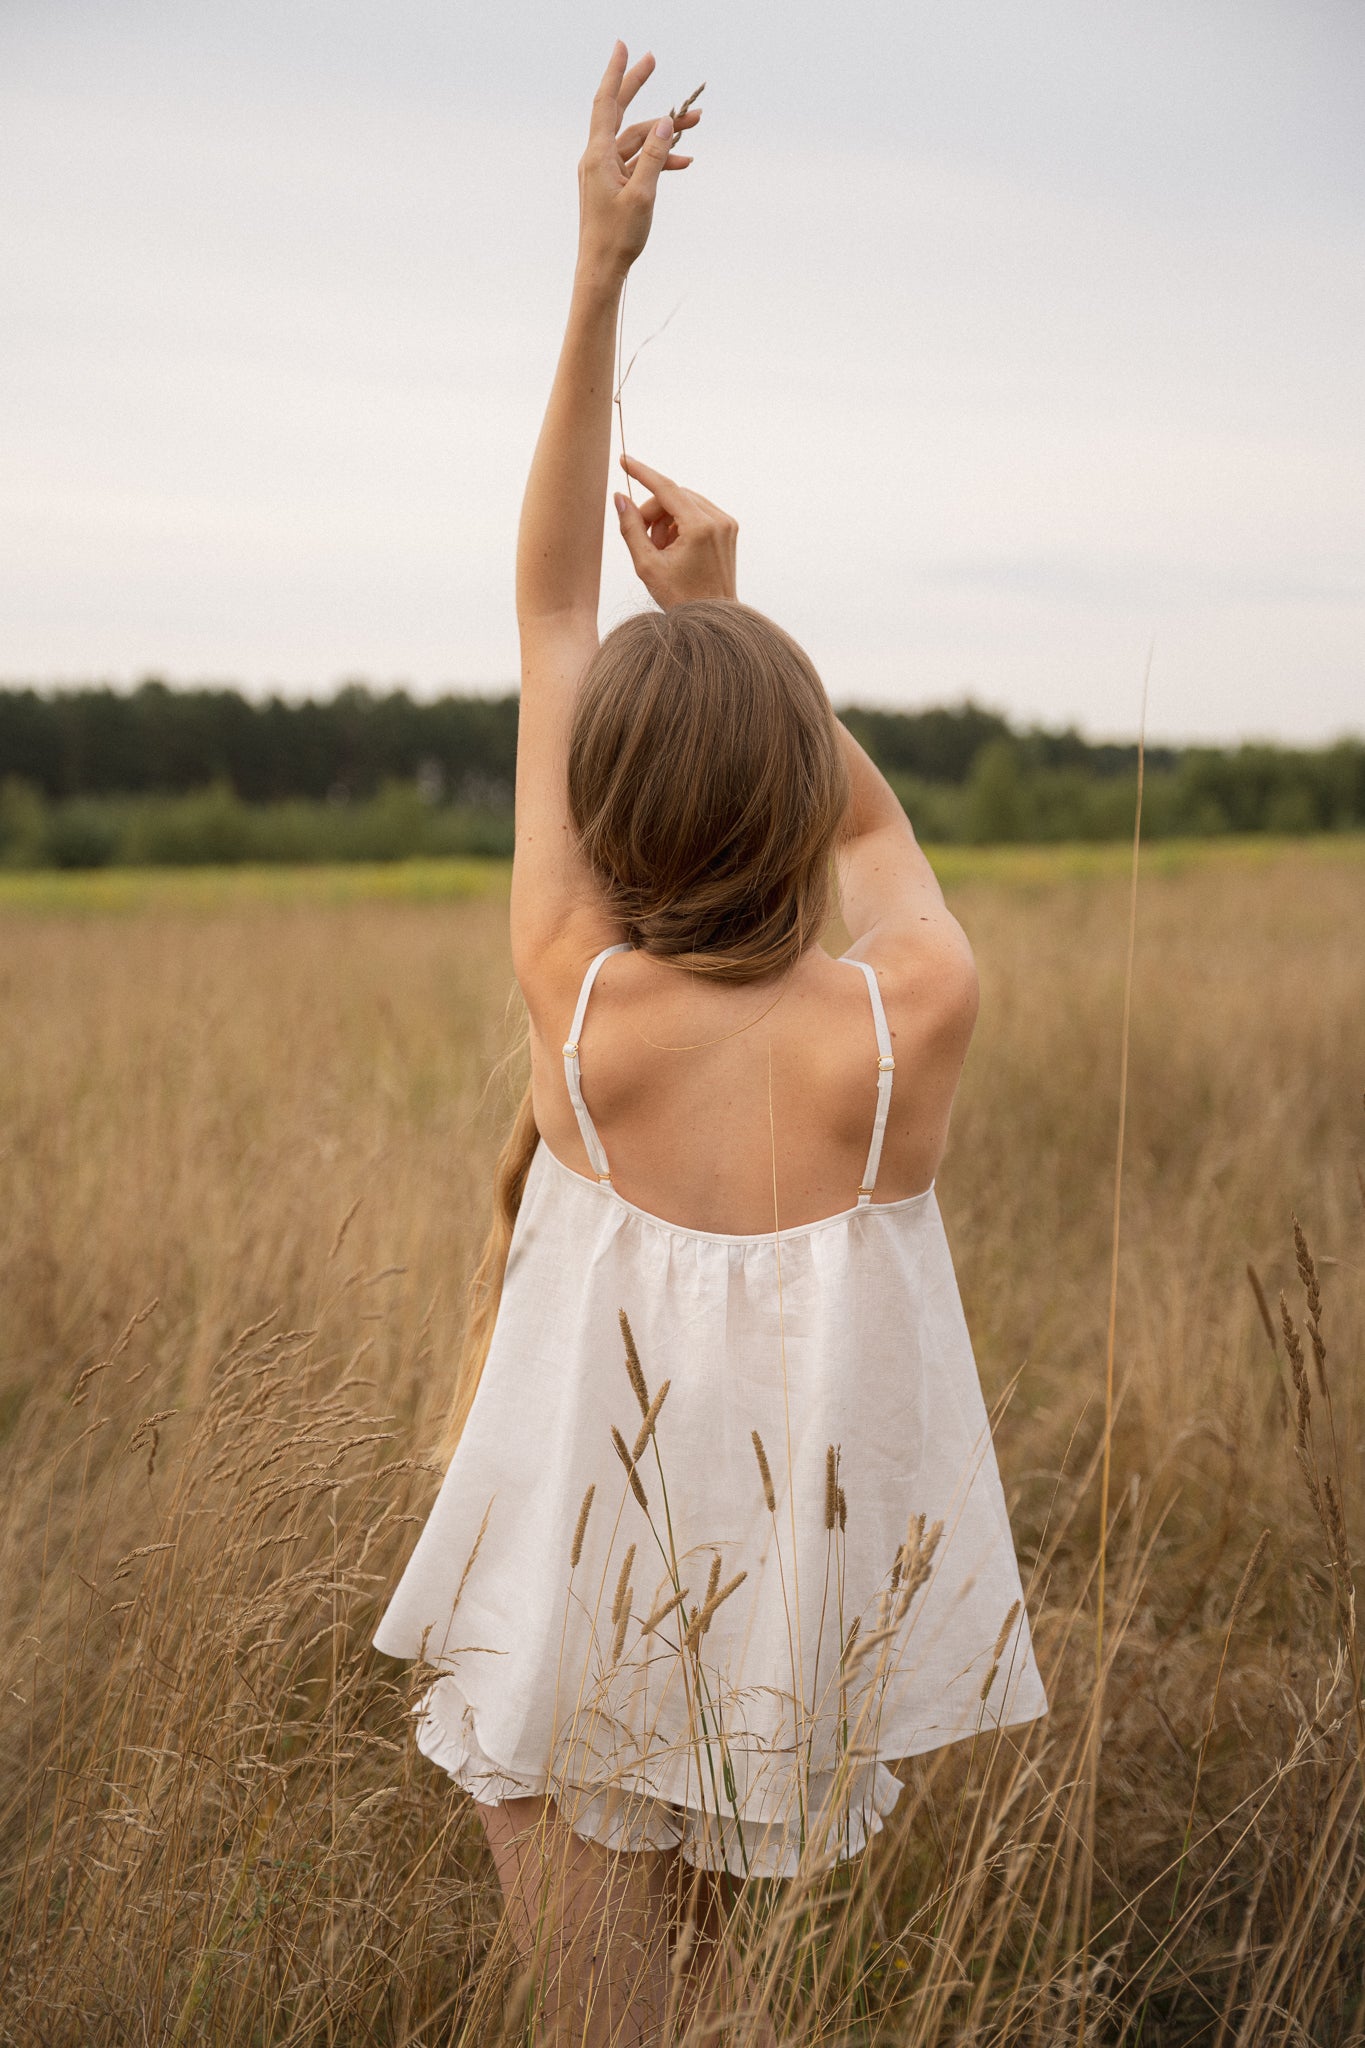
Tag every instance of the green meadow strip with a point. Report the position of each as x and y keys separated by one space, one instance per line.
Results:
x=88 y=891
x=112 y=890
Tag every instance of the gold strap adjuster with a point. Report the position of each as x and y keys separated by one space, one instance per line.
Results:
x=885 y=1063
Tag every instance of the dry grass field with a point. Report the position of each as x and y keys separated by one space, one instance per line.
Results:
x=245 y=1141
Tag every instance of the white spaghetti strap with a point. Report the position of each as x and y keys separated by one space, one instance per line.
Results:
x=886 y=1067
x=597 y=1158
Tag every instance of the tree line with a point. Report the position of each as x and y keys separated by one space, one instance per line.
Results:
x=160 y=774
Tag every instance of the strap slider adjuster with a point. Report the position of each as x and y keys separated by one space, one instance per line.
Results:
x=885 y=1063
x=571 y=1049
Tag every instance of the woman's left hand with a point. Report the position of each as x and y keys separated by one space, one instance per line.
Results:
x=618 y=174
x=682 y=545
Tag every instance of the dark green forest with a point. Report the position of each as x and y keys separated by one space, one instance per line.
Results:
x=94 y=776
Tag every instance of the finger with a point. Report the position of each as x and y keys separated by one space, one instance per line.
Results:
x=717 y=512
x=632 y=529
x=669 y=500
x=662 y=533
x=632 y=80
x=671 y=163
x=629 y=140
x=654 y=150
x=668 y=494
x=606 y=113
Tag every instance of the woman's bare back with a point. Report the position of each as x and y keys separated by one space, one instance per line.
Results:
x=724 y=1107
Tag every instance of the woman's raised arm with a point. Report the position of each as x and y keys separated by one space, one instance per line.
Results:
x=683 y=547
x=898 y=921
x=559 y=543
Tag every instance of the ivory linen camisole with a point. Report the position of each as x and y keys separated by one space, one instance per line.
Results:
x=724 y=1532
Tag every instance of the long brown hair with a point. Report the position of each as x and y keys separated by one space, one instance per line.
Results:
x=708 y=790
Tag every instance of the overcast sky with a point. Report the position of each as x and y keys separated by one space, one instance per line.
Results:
x=1017 y=338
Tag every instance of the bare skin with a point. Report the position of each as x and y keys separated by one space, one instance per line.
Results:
x=594 y=1926
x=722 y=1107
x=626 y=1950
x=661 y=1111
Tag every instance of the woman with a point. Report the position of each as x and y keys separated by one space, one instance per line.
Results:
x=675 y=1644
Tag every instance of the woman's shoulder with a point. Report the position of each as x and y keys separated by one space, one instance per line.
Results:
x=928 y=982
x=926 y=975
x=550 y=973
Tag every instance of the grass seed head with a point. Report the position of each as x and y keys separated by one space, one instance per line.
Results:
x=917 y=1557
x=998 y=1652
x=623 y=1584
x=675 y=114
x=764 y=1473
x=1334 y=1521
x=1253 y=1565
x=1006 y=1625
x=647 y=1426
x=623 y=1453
x=619 y=1639
x=1308 y=1274
x=662 y=1612
x=1307 y=1271
x=1293 y=1344
x=702 y=1619
x=581 y=1528
x=634 y=1369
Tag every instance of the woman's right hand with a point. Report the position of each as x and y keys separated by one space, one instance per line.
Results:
x=618 y=174
x=682 y=545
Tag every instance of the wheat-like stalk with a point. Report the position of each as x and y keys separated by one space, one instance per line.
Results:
x=1309 y=1276
x=214 y=1804
x=581 y=1529
x=915 y=1560
x=634 y=1369
x=998 y=1652
x=623 y=1583
x=662 y=1612
x=622 y=1619
x=675 y=114
x=716 y=1598
x=623 y=1453
x=764 y=1473
x=647 y=1426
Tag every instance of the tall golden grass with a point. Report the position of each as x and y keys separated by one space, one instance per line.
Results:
x=244 y=1149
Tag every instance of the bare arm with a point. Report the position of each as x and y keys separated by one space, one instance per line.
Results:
x=559 y=542
x=897 y=919
x=684 y=546
x=885 y=882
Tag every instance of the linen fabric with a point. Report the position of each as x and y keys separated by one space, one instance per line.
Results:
x=752 y=1731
